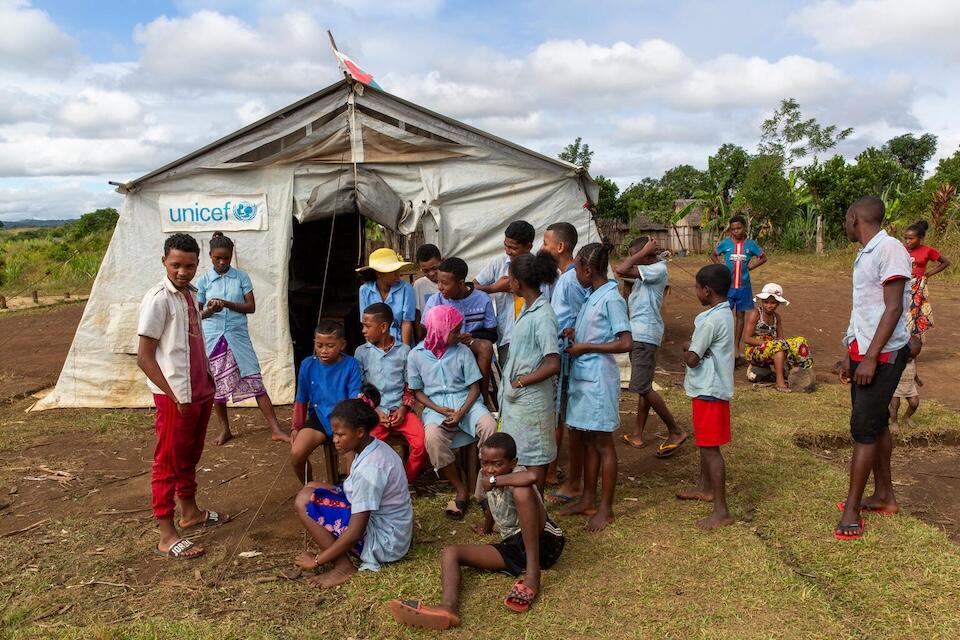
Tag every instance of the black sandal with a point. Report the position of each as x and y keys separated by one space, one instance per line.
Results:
x=456 y=509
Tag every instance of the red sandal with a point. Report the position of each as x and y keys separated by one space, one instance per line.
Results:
x=520 y=598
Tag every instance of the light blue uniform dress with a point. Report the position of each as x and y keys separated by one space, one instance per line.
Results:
x=446 y=381
x=401 y=298
x=378 y=485
x=594 y=398
x=232 y=286
x=529 y=414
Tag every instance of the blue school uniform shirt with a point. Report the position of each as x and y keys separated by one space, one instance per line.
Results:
x=378 y=485
x=321 y=386
x=386 y=370
x=713 y=377
x=568 y=297
x=476 y=308
x=232 y=286
x=646 y=299
x=401 y=298
x=498 y=267
x=594 y=393
x=737 y=255
x=446 y=381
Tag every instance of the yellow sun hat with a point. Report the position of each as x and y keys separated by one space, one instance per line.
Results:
x=385 y=260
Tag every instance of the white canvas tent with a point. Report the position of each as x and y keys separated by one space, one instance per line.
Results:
x=292 y=190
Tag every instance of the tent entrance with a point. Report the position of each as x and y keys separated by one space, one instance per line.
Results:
x=308 y=257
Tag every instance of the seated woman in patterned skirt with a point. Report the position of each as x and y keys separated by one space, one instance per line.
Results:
x=763 y=335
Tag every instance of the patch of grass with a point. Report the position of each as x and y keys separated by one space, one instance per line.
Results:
x=776 y=573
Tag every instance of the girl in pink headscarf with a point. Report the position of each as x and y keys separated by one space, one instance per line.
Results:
x=444 y=376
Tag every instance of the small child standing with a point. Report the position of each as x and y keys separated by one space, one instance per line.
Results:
x=646 y=328
x=445 y=379
x=325 y=378
x=371 y=515
x=602 y=329
x=527 y=402
x=479 y=319
x=709 y=384
x=494 y=280
x=172 y=355
x=906 y=389
x=741 y=255
x=382 y=283
x=529 y=540
x=383 y=361
x=560 y=239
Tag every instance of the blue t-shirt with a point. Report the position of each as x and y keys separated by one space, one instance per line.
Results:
x=476 y=308
x=321 y=386
x=737 y=255
x=646 y=321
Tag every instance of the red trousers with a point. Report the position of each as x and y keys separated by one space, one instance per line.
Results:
x=412 y=431
x=175 y=457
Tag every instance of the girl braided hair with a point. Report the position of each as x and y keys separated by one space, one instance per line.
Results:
x=220 y=241
x=535 y=270
x=359 y=412
x=596 y=255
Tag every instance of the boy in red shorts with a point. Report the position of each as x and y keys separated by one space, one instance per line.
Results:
x=709 y=383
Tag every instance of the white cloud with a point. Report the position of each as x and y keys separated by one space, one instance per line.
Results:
x=883 y=26
x=54 y=199
x=96 y=113
x=31 y=41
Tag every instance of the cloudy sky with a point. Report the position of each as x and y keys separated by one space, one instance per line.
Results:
x=94 y=91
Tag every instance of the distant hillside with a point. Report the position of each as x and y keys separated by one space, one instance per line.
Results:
x=18 y=224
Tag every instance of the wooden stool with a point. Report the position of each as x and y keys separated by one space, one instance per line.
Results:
x=331 y=463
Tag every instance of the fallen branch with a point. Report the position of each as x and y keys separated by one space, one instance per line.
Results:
x=115 y=480
x=117 y=513
x=122 y=585
x=25 y=529
x=242 y=474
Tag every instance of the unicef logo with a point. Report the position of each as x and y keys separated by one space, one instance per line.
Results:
x=245 y=211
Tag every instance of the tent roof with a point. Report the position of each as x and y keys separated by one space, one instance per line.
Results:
x=343 y=85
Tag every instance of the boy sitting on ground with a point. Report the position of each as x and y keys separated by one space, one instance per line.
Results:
x=530 y=541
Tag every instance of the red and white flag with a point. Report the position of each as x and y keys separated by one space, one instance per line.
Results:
x=352 y=69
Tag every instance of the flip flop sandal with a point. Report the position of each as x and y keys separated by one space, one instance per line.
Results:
x=214 y=519
x=414 y=613
x=557 y=498
x=520 y=598
x=456 y=509
x=629 y=441
x=665 y=449
x=842 y=507
x=178 y=549
x=849 y=531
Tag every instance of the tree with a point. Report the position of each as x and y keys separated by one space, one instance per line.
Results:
x=831 y=190
x=684 y=180
x=876 y=171
x=608 y=204
x=766 y=193
x=727 y=168
x=648 y=198
x=578 y=153
x=912 y=152
x=932 y=197
x=788 y=135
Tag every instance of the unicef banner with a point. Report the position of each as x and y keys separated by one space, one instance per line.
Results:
x=195 y=212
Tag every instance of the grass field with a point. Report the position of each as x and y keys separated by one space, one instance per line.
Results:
x=776 y=573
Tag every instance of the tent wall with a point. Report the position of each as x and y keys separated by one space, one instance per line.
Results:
x=101 y=368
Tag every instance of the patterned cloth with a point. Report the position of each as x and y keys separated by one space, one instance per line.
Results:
x=921 y=313
x=798 y=352
x=331 y=510
x=226 y=376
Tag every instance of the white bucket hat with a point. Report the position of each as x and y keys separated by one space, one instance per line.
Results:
x=774 y=290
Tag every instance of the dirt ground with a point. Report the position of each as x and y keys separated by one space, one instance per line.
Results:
x=34 y=344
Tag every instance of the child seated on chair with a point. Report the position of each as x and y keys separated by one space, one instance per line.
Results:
x=444 y=377
x=325 y=378
x=371 y=515
x=529 y=540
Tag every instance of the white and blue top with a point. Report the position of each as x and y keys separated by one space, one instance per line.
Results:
x=231 y=286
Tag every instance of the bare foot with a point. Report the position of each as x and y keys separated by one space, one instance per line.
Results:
x=894 y=427
x=579 y=508
x=479 y=529
x=306 y=560
x=332 y=578
x=695 y=494
x=910 y=423
x=635 y=440
x=224 y=437
x=279 y=436
x=714 y=521
x=879 y=506
x=192 y=551
x=676 y=438
x=783 y=388
x=599 y=521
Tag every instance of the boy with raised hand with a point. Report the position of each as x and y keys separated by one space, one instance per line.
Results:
x=494 y=280
x=383 y=361
x=646 y=327
x=325 y=378
x=741 y=255
x=878 y=346
x=560 y=239
x=529 y=540
x=172 y=355
x=709 y=384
